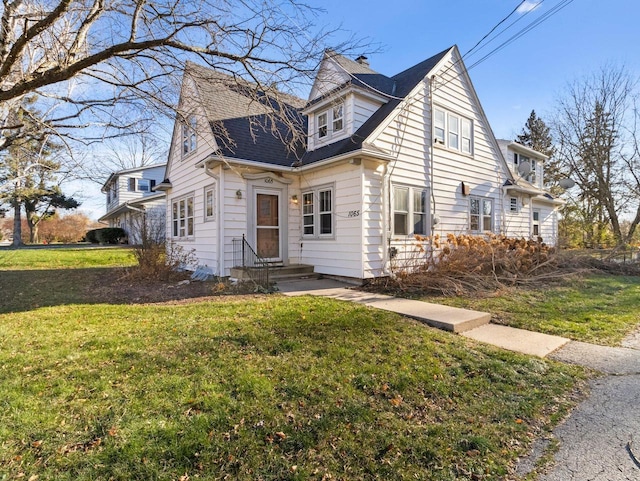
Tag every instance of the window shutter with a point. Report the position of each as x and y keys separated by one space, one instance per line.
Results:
x=153 y=184
x=132 y=184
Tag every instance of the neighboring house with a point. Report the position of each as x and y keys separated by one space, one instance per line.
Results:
x=384 y=158
x=531 y=210
x=132 y=200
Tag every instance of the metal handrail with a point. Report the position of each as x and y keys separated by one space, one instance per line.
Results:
x=246 y=258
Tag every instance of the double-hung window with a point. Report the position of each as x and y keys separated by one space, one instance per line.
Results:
x=189 y=135
x=480 y=214
x=409 y=210
x=317 y=212
x=182 y=217
x=453 y=131
x=330 y=122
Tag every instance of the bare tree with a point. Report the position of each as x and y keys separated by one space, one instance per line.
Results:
x=97 y=66
x=594 y=130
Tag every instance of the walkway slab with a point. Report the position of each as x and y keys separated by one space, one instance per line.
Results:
x=609 y=360
x=518 y=340
x=451 y=319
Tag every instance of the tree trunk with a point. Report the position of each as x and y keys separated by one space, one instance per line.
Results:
x=17 y=225
x=33 y=228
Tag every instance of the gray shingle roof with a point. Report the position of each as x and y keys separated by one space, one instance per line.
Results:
x=243 y=116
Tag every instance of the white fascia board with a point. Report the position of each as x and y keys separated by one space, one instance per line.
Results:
x=344 y=92
x=527 y=150
x=546 y=200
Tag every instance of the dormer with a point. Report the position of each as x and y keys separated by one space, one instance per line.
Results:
x=344 y=95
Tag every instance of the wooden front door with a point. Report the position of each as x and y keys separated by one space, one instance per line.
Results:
x=268 y=242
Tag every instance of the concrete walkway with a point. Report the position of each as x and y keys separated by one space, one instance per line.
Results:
x=471 y=324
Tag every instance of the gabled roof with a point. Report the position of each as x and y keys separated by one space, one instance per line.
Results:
x=235 y=111
x=404 y=83
x=130 y=171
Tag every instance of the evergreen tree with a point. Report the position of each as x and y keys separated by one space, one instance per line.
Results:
x=537 y=136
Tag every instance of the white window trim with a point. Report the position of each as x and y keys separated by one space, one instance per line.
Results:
x=330 y=122
x=210 y=189
x=481 y=215
x=184 y=199
x=139 y=188
x=411 y=191
x=444 y=139
x=316 y=212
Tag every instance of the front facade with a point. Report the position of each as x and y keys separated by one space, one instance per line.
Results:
x=132 y=202
x=384 y=159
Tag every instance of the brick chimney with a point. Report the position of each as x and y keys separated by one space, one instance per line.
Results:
x=362 y=60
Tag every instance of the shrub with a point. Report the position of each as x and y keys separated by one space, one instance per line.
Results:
x=92 y=236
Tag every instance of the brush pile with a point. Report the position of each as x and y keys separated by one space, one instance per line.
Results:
x=464 y=264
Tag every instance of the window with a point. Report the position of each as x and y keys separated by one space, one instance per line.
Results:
x=334 y=117
x=317 y=212
x=209 y=203
x=439 y=126
x=182 y=217
x=513 y=204
x=409 y=211
x=480 y=214
x=533 y=177
x=145 y=185
x=338 y=116
x=322 y=125
x=189 y=135
x=536 y=223
x=452 y=131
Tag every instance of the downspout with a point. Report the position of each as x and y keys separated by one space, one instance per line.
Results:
x=386 y=208
x=220 y=194
x=431 y=166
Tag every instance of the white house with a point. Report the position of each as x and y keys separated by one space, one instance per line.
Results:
x=132 y=199
x=384 y=158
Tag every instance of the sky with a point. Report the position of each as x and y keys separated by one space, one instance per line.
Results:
x=530 y=73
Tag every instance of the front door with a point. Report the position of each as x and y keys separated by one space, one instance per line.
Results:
x=268 y=239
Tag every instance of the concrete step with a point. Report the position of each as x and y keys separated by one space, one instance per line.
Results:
x=293 y=271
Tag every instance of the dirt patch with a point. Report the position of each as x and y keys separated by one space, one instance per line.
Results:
x=120 y=290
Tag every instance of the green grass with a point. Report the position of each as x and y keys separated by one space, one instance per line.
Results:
x=272 y=388
x=599 y=309
x=64 y=258
x=267 y=388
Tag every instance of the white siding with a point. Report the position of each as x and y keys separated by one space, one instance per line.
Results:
x=186 y=179
x=548 y=223
x=363 y=108
x=340 y=255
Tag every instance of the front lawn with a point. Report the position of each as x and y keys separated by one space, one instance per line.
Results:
x=596 y=308
x=258 y=387
x=271 y=388
x=64 y=257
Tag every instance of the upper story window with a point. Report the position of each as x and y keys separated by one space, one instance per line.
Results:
x=141 y=185
x=338 y=117
x=453 y=131
x=322 y=125
x=330 y=122
x=534 y=176
x=480 y=214
x=189 y=135
x=409 y=210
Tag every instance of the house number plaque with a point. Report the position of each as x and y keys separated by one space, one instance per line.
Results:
x=268 y=180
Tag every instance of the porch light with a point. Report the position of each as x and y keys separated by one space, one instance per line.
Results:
x=238 y=194
x=294 y=199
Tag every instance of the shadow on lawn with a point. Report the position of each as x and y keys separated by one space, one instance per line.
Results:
x=22 y=290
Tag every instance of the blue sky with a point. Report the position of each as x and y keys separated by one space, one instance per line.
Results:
x=530 y=73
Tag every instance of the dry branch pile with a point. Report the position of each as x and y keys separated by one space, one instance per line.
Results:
x=462 y=264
